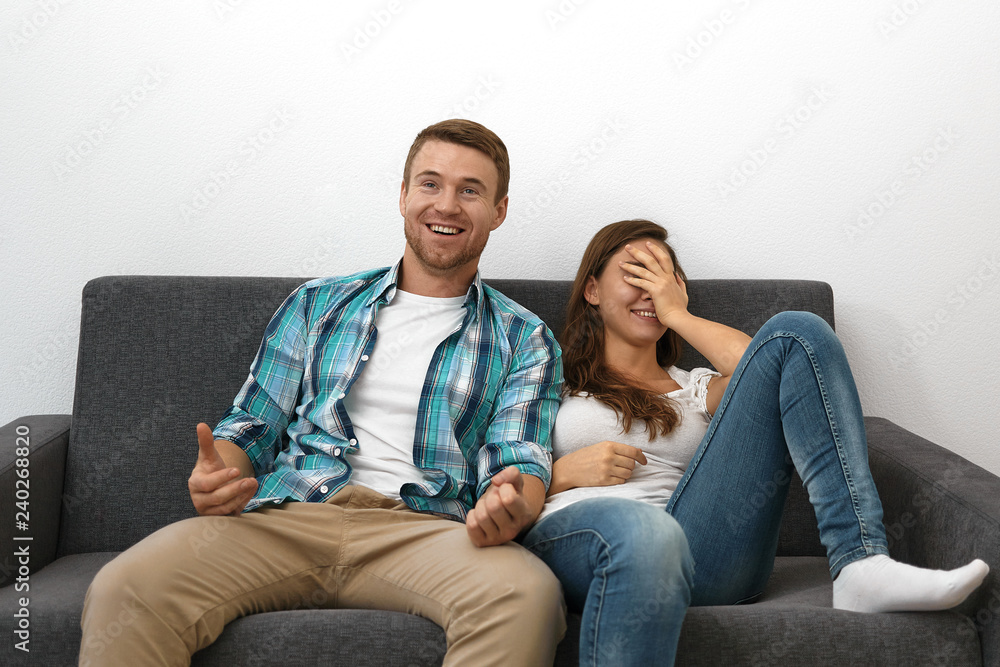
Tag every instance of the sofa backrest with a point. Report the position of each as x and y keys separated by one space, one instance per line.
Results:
x=158 y=354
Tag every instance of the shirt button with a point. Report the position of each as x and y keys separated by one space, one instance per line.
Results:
x=336 y=452
x=323 y=489
x=342 y=396
x=364 y=357
x=353 y=442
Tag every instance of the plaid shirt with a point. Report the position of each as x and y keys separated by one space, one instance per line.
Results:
x=489 y=403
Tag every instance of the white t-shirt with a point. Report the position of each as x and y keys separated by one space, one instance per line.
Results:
x=383 y=401
x=583 y=421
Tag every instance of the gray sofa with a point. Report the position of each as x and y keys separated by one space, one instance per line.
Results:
x=159 y=354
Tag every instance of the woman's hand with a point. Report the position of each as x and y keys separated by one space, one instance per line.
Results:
x=723 y=346
x=654 y=274
x=604 y=464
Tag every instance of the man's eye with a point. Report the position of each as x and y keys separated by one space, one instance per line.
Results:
x=470 y=191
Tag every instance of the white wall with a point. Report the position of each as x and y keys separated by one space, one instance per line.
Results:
x=122 y=122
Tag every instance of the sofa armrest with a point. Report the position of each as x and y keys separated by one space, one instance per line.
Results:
x=46 y=437
x=940 y=511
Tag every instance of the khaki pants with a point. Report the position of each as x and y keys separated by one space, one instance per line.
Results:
x=182 y=584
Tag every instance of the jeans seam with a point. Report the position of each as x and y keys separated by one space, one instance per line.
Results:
x=714 y=425
x=835 y=433
x=604 y=582
x=866 y=542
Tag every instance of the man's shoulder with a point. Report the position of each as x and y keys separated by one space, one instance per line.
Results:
x=318 y=297
x=513 y=316
x=348 y=283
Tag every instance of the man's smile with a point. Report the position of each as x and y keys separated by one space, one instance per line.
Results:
x=444 y=229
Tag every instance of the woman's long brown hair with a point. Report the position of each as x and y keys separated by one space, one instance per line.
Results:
x=582 y=340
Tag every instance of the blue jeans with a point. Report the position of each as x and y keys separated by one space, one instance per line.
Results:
x=791 y=400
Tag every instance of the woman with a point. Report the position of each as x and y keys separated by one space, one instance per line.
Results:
x=635 y=436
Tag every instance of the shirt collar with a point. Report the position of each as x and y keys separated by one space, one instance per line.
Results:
x=385 y=287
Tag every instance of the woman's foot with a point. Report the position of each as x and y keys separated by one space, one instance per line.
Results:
x=878 y=583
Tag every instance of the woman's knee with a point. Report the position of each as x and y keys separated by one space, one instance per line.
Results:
x=644 y=536
x=797 y=322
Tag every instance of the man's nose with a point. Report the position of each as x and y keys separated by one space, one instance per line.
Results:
x=447 y=202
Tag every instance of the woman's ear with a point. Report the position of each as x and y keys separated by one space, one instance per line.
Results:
x=590 y=291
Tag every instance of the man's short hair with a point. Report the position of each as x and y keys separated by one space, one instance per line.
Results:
x=465 y=133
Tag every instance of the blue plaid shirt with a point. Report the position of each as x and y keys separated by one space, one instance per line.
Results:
x=489 y=402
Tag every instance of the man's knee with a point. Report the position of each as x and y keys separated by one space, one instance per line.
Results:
x=525 y=582
x=141 y=578
x=539 y=590
x=112 y=611
x=539 y=583
x=115 y=584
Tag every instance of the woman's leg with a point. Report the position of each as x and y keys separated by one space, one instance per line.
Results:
x=791 y=399
x=626 y=566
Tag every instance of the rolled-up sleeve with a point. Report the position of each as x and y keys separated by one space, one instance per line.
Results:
x=524 y=411
x=261 y=410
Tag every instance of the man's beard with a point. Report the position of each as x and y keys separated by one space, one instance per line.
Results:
x=440 y=263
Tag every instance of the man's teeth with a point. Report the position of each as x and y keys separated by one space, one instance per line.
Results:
x=444 y=230
x=645 y=313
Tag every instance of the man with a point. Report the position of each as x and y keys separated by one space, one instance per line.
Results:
x=410 y=395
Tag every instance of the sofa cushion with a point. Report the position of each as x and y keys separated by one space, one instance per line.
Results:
x=791 y=624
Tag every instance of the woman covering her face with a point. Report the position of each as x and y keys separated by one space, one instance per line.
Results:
x=649 y=508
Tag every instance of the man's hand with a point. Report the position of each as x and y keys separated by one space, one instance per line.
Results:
x=603 y=464
x=215 y=487
x=511 y=502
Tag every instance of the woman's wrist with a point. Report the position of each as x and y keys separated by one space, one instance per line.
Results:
x=560 y=478
x=677 y=319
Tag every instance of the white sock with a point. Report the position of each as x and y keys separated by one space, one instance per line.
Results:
x=878 y=583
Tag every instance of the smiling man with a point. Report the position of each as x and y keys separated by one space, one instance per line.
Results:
x=418 y=404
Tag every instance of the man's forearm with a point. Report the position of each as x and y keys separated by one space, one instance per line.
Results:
x=534 y=495
x=235 y=457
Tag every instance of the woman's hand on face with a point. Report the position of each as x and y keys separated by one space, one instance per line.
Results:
x=656 y=276
x=603 y=464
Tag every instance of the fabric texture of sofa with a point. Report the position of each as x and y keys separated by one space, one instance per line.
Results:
x=159 y=354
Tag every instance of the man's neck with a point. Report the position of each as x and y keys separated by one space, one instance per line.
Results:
x=417 y=279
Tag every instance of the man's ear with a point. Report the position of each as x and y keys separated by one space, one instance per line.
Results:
x=500 y=211
x=590 y=291
x=402 y=198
